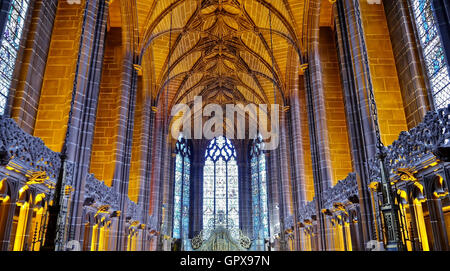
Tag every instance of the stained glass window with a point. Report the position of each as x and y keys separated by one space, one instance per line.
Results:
x=259 y=190
x=433 y=52
x=220 y=184
x=10 y=46
x=181 y=189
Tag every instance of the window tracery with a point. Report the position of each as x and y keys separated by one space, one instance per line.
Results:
x=9 y=47
x=259 y=190
x=433 y=52
x=181 y=189
x=220 y=183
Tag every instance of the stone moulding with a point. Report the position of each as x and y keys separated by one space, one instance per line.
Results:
x=15 y=144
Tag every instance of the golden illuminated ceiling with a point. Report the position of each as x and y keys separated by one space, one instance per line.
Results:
x=224 y=50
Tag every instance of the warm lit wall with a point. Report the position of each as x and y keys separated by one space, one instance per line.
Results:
x=409 y=68
x=105 y=135
x=33 y=63
x=334 y=104
x=383 y=71
x=309 y=179
x=56 y=93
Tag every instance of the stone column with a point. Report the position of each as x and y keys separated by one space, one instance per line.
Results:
x=297 y=156
x=284 y=168
x=437 y=219
x=77 y=147
x=129 y=81
x=274 y=195
x=351 y=55
x=320 y=150
x=166 y=181
x=157 y=162
x=147 y=136
x=245 y=187
x=196 y=217
x=296 y=145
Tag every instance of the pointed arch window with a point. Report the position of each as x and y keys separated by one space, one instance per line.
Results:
x=9 y=47
x=220 y=185
x=181 y=189
x=432 y=51
x=259 y=190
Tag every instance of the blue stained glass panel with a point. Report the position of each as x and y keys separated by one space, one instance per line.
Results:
x=220 y=183
x=259 y=191
x=181 y=190
x=433 y=52
x=9 y=47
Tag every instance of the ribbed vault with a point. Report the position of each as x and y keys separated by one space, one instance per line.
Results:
x=227 y=51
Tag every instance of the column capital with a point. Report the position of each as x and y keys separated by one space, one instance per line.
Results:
x=138 y=69
x=303 y=68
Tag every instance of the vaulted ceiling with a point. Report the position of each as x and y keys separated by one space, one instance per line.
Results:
x=227 y=51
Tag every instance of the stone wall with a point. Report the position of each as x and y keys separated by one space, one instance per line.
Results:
x=56 y=94
x=33 y=64
x=105 y=135
x=409 y=69
x=334 y=104
x=383 y=72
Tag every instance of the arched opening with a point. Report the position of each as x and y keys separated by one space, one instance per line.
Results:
x=132 y=239
x=20 y=220
x=38 y=221
x=181 y=189
x=420 y=217
x=260 y=209
x=220 y=185
x=5 y=204
x=88 y=231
